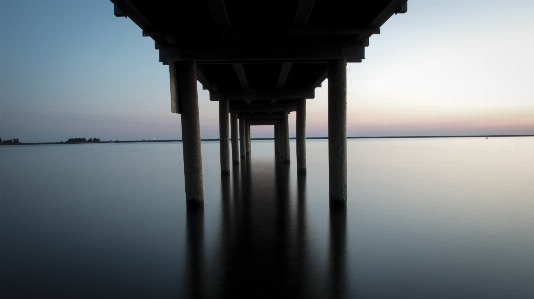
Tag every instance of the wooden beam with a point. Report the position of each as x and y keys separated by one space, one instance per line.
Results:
x=394 y=7
x=243 y=52
x=204 y=79
x=129 y=10
x=323 y=74
x=220 y=15
x=262 y=31
x=240 y=72
x=263 y=122
x=174 y=83
x=262 y=95
x=248 y=116
x=303 y=13
x=286 y=66
x=263 y=108
x=118 y=12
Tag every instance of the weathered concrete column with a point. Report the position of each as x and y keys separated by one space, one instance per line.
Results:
x=224 y=136
x=301 y=135
x=188 y=106
x=284 y=134
x=277 y=138
x=235 y=146
x=242 y=139
x=247 y=134
x=337 y=126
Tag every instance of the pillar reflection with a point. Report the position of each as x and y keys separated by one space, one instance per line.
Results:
x=337 y=251
x=261 y=249
x=195 y=251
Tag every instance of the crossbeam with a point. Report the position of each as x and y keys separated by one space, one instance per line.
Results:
x=176 y=34
x=243 y=52
x=261 y=95
x=263 y=122
x=248 y=116
x=264 y=108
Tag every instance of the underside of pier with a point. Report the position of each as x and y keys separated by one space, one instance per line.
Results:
x=261 y=60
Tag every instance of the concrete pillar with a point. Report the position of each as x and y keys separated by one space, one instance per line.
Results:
x=247 y=134
x=337 y=126
x=284 y=134
x=277 y=138
x=224 y=110
x=301 y=135
x=242 y=139
x=235 y=146
x=188 y=102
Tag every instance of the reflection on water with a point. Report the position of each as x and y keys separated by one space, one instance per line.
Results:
x=426 y=218
x=262 y=249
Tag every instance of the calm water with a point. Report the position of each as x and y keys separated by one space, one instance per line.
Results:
x=426 y=218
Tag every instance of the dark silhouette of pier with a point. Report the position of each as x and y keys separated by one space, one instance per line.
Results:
x=260 y=61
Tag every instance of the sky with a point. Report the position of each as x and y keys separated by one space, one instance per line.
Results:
x=72 y=69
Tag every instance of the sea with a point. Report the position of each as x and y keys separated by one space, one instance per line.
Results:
x=425 y=218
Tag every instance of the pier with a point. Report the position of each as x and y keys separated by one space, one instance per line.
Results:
x=260 y=61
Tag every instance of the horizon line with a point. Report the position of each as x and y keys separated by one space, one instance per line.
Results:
x=272 y=138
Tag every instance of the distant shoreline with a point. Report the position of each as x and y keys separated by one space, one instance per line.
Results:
x=311 y=138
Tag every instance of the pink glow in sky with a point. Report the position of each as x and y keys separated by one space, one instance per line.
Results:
x=72 y=69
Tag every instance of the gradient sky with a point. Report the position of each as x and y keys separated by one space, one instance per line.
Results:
x=72 y=69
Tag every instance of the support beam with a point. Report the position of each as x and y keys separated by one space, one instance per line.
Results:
x=277 y=138
x=323 y=74
x=175 y=103
x=171 y=36
x=304 y=10
x=262 y=122
x=264 y=108
x=242 y=139
x=220 y=16
x=247 y=134
x=284 y=134
x=187 y=94
x=224 y=107
x=275 y=51
x=240 y=73
x=337 y=126
x=248 y=116
x=286 y=66
x=301 y=135
x=235 y=146
x=204 y=79
x=262 y=95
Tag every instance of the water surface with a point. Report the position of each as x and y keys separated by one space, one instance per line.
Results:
x=426 y=218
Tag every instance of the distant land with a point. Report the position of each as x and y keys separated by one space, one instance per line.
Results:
x=217 y=139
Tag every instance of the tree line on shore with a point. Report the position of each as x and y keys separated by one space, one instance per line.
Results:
x=83 y=140
x=70 y=140
x=10 y=141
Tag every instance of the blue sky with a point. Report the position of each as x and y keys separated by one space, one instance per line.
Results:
x=72 y=69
